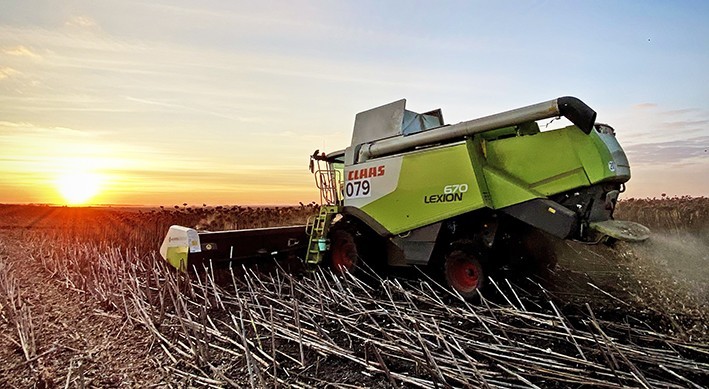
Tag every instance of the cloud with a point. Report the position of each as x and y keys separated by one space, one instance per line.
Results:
x=686 y=151
x=684 y=111
x=642 y=106
x=650 y=123
x=242 y=184
x=659 y=137
x=217 y=178
x=15 y=124
x=183 y=108
x=24 y=129
x=687 y=125
x=82 y=22
x=21 y=51
x=6 y=72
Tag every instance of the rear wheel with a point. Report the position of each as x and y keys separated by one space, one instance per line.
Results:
x=463 y=273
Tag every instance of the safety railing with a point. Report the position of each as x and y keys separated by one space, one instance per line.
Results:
x=329 y=181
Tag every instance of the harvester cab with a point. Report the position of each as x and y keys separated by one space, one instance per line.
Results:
x=465 y=198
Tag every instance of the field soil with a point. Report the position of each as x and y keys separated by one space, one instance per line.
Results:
x=76 y=339
x=83 y=303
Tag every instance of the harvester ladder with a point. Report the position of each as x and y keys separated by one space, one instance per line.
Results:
x=317 y=227
x=329 y=180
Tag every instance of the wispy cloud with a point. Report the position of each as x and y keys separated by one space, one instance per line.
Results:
x=14 y=124
x=654 y=123
x=242 y=186
x=24 y=129
x=644 y=106
x=21 y=51
x=687 y=151
x=81 y=21
x=686 y=125
x=6 y=72
x=184 y=108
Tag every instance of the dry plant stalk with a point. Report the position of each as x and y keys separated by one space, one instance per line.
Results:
x=267 y=330
x=19 y=312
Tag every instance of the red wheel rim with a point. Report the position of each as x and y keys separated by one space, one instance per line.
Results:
x=463 y=274
x=344 y=254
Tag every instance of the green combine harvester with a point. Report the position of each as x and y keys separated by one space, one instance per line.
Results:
x=465 y=199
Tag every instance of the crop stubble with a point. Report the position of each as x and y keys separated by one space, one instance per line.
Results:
x=607 y=317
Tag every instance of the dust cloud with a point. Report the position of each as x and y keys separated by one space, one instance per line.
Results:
x=683 y=256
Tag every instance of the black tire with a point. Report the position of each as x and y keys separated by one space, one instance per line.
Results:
x=463 y=273
x=344 y=254
x=355 y=248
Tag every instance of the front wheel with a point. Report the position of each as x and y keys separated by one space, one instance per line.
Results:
x=463 y=273
x=344 y=255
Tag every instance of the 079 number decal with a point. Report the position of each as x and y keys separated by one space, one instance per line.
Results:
x=358 y=188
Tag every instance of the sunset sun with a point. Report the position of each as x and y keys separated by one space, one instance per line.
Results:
x=78 y=187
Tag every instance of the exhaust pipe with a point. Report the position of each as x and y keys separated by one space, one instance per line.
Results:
x=570 y=107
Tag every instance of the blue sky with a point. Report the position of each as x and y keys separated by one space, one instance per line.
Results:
x=222 y=101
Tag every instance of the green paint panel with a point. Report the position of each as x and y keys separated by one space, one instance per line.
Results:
x=507 y=190
x=177 y=257
x=420 y=197
x=544 y=164
x=497 y=172
x=594 y=155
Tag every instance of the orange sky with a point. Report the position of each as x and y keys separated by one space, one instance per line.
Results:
x=223 y=102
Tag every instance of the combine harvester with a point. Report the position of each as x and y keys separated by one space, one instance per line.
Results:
x=466 y=198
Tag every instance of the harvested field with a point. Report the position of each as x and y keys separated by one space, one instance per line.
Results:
x=86 y=302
